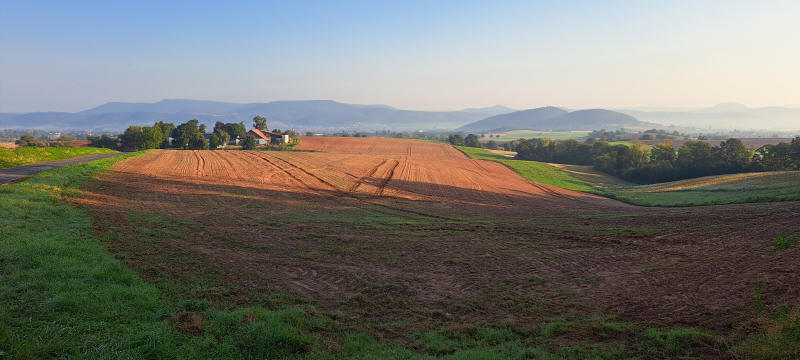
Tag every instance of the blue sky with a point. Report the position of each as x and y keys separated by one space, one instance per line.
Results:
x=72 y=55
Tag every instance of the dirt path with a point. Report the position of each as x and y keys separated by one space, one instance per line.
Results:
x=15 y=173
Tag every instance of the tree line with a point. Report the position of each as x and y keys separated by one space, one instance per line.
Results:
x=470 y=140
x=660 y=163
x=28 y=140
x=190 y=135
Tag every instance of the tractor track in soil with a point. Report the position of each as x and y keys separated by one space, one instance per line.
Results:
x=536 y=246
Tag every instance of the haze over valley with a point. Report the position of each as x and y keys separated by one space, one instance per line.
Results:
x=332 y=116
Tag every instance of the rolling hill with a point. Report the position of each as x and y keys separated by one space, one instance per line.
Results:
x=555 y=119
x=726 y=116
x=319 y=115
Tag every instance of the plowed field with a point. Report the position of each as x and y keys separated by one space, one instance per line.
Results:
x=414 y=234
x=364 y=169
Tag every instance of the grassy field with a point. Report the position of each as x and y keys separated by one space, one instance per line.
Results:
x=28 y=155
x=64 y=295
x=528 y=134
x=710 y=190
x=531 y=170
x=628 y=143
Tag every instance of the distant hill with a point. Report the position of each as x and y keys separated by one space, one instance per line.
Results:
x=515 y=120
x=727 y=116
x=319 y=115
x=556 y=119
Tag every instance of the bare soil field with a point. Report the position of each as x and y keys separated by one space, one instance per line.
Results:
x=8 y=145
x=396 y=235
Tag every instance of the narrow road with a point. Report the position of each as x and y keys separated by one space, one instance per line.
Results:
x=8 y=175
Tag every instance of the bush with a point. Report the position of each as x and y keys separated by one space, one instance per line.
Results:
x=248 y=143
x=28 y=140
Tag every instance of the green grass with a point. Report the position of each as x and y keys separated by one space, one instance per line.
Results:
x=29 y=155
x=528 y=134
x=532 y=170
x=785 y=242
x=709 y=190
x=778 y=336
x=63 y=295
x=628 y=143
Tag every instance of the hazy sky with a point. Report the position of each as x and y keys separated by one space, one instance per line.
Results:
x=72 y=55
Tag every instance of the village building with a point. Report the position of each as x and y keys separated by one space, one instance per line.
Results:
x=264 y=138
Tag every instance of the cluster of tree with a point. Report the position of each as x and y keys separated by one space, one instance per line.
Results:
x=392 y=134
x=11 y=135
x=637 y=163
x=604 y=135
x=162 y=135
x=347 y=134
x=104 y=141
x=565 y=152
x=28 y=140
x=190 y=135
x=783 y=156
x=470 y=140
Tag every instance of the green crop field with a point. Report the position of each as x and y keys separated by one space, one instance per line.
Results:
x=528 y=134
x=532 y=170
x=710 y=190
x=10 y=157
x=628 y=143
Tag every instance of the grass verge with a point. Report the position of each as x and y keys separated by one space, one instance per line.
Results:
x=63 y=295
x=29 y=155
x=532 y=170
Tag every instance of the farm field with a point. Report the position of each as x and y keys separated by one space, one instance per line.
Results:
x=10 y=157
x=389 y=248
x=709 y=190
x=527 y=134
x=749 y=142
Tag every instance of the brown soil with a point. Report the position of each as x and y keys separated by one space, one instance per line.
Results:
x=395 y=230
x=188 y=323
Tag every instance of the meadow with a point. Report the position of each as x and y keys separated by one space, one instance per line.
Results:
x=10 y=157
x=528 y=134
x=709 y=190
x=535 y=171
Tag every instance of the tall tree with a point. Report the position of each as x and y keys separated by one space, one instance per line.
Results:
x=472 y=141
x=215 y=142
x=248 y=143
x=260 y=123
x=166 y=130
x=455 y=139
x=186 y=133
x=662 y=152
x=695 y=159
x=732 y=156
x=152 y=138
x=132 y=138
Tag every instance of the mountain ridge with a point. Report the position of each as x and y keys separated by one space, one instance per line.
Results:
x=551 y=118
x=325 y=115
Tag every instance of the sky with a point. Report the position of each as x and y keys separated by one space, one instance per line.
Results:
x=425 y=55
